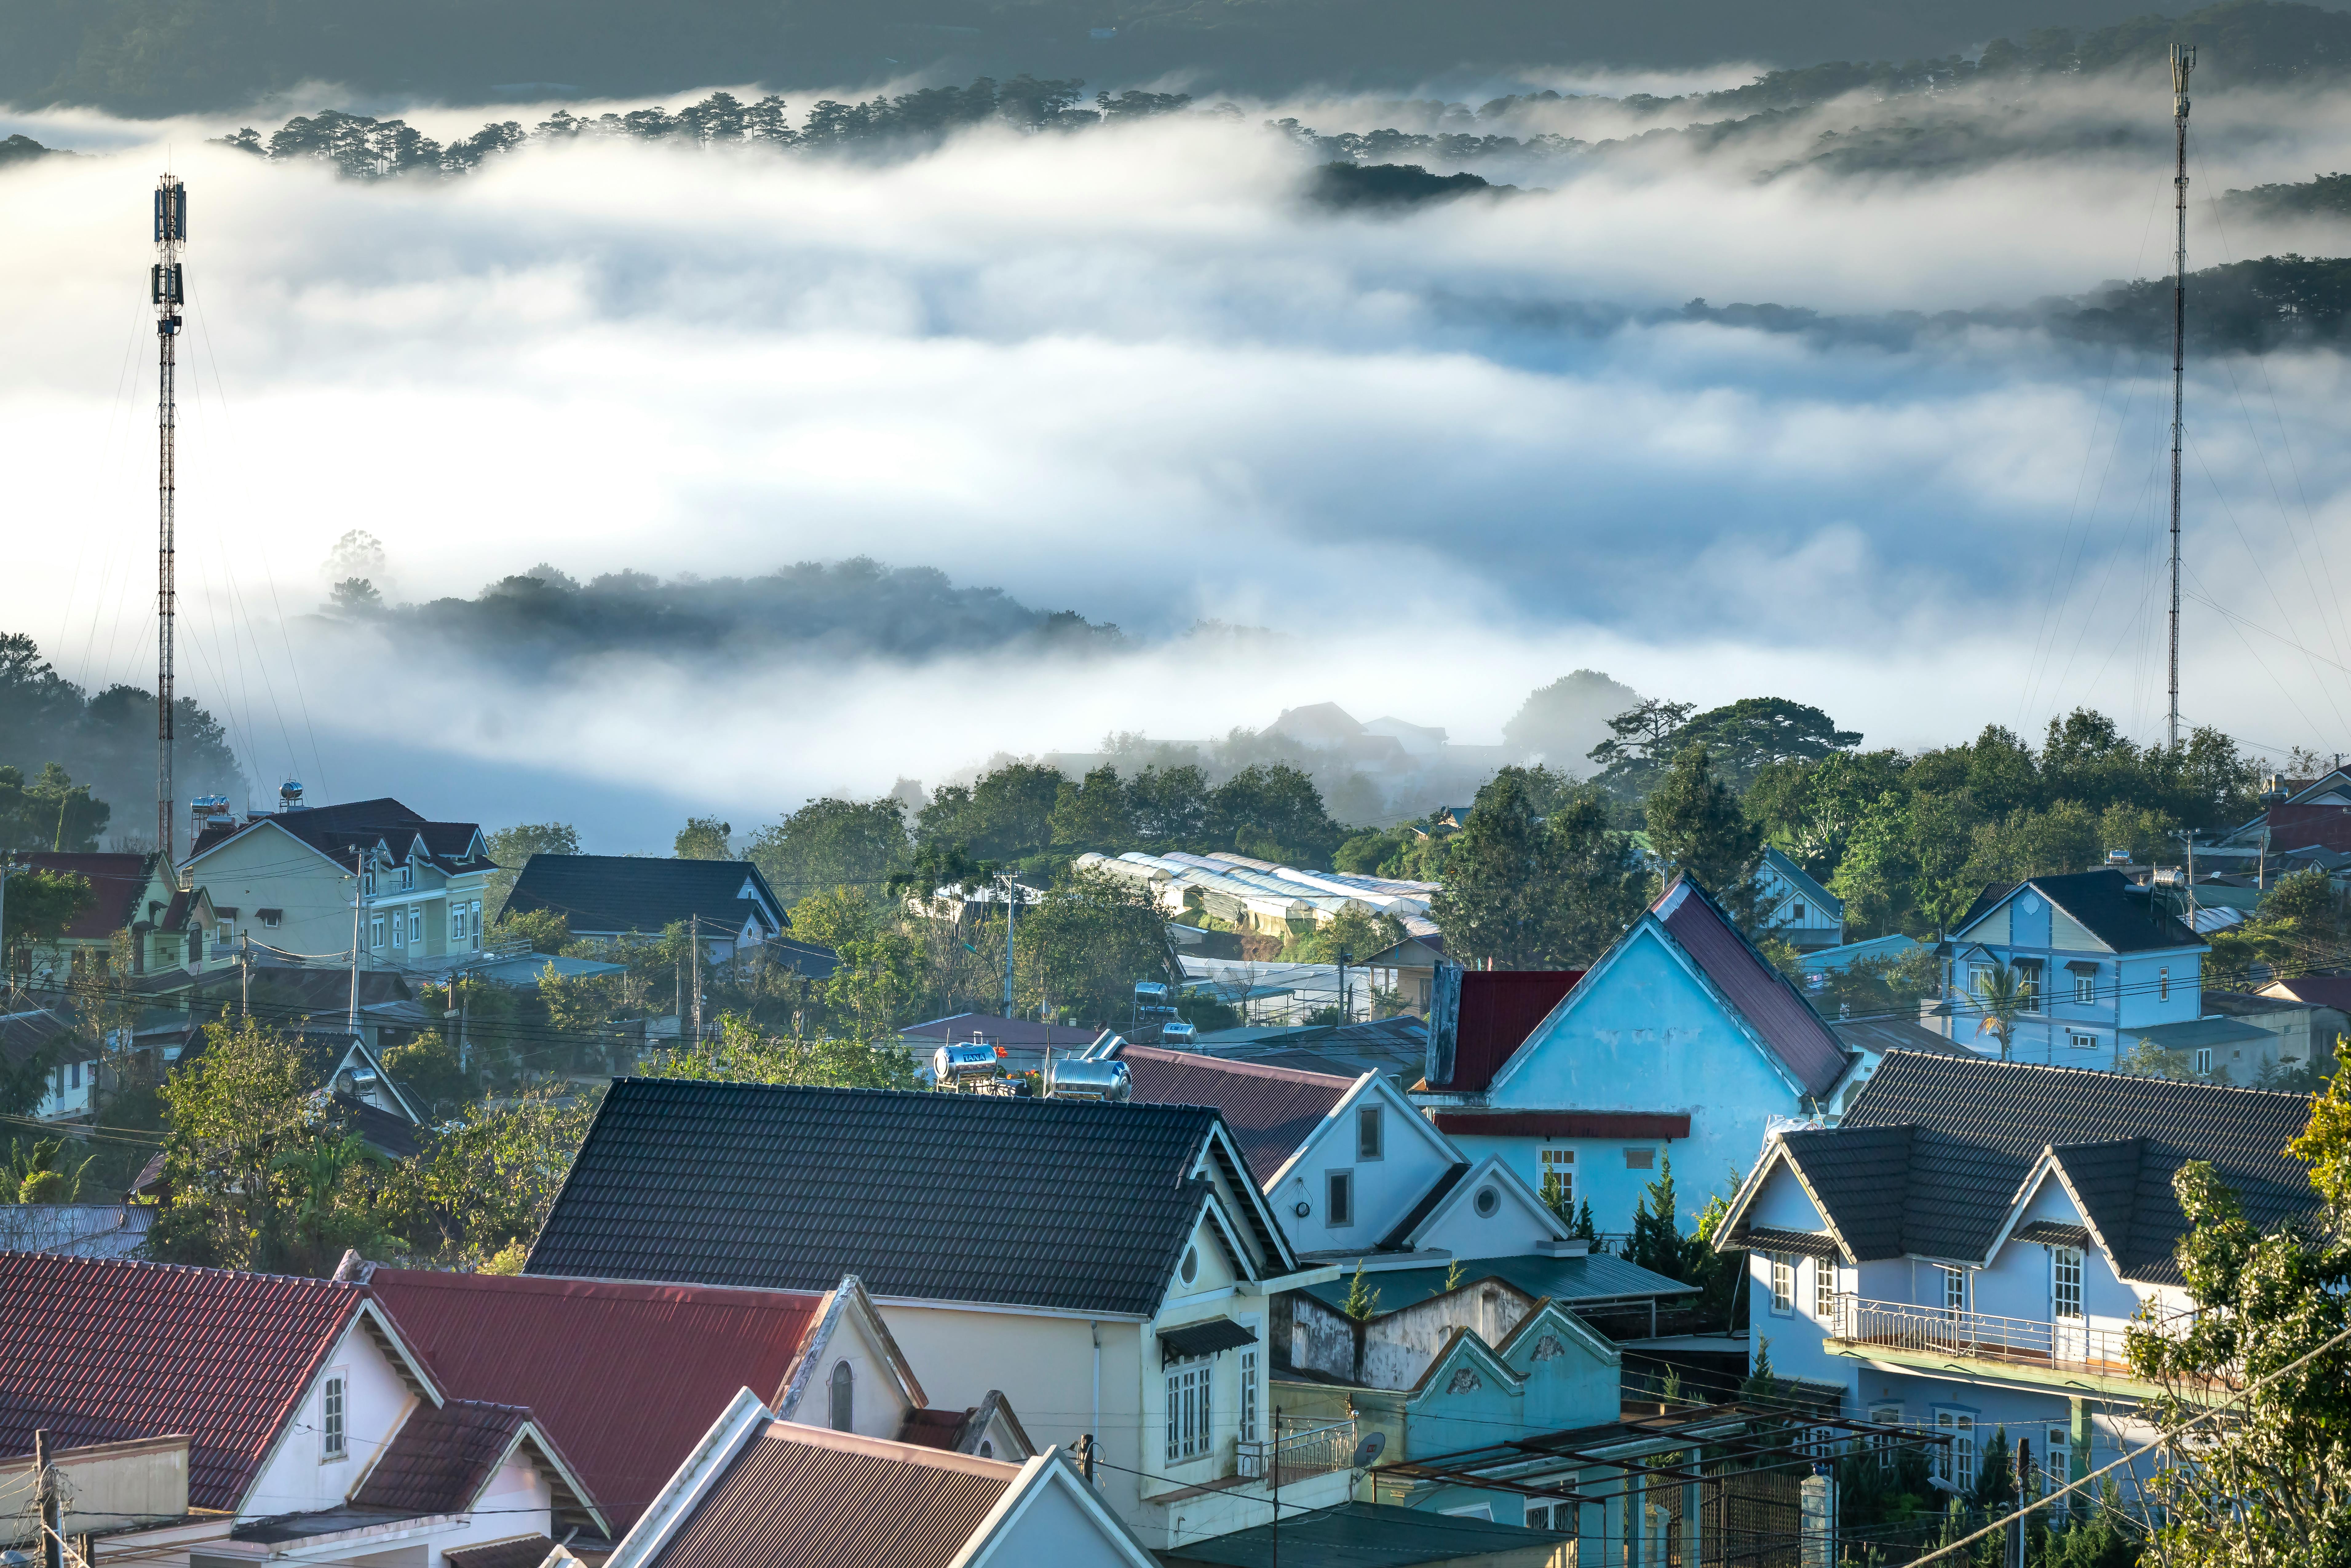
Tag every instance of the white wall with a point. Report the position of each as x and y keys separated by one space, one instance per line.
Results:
x=1413 y=1156
x=295 y=1478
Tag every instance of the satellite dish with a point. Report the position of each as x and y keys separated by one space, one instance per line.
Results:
x=1369 y=1449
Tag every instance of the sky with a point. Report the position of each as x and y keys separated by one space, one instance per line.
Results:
x=1135 y=374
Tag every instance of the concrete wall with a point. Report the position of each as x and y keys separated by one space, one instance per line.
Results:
x=107 y=1486
x=298 y=1477
x=1414 y=1154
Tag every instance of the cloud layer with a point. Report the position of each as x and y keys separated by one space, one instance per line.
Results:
x=1131 y=373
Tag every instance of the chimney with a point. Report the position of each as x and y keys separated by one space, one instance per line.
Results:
x=1444 y=1024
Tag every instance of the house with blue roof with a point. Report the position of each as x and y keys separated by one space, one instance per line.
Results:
x=1795 y=908
x=1682 y=1042
x=2101 y=962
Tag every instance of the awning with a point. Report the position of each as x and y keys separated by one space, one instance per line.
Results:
x=1203 y=1339
x=1811 y=1243
x=2051 y=1233
x=2081 y=967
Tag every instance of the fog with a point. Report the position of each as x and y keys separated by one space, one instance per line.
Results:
x=1131 y=373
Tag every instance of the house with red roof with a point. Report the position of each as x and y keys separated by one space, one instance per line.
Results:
x=1682 y=1042
x=314 y=1432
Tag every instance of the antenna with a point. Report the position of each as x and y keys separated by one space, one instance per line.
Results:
x=168 y=291
x=2183 y=60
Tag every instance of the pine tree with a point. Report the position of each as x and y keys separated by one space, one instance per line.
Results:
x=1699 y=826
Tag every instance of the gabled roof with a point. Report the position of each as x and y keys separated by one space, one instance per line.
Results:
x=115 y=880
x=365 y=826
x=1800 y=881
x=2317 y=990
x=2101 y=901
x=615 y=894
x=1765 y=997
x=1499 y=1010
x=442 y=1459
x=1062 y=1204
x=962 y=1431
x=1934 y=1152
x=625 y=1377
x=99 y=1351
x=1878 y=1036
x=1271 y=1111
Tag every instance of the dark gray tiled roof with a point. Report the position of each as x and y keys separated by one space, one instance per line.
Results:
x=1878 y=1036
x=615 y=894
x=1048 y=1203
x=2102 y=902
x=1933 y=1149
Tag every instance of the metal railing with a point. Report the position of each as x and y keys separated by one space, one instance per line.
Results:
x=1904 y=1325
x=1307 y=1451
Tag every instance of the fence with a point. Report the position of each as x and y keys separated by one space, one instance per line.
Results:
x=1301 y=1452
x=1903 y=1326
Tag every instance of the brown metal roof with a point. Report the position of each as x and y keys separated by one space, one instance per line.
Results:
x=813 y=1498
x=440 y=1459
x=1271 y=1110
x=514 y=1551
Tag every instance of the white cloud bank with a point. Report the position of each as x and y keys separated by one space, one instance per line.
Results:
x=1131 y=373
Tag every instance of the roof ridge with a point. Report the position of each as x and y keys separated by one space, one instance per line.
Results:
x=2105 y=1074
x=890 y=1449
x=146 y=1264
x=1233 y=1064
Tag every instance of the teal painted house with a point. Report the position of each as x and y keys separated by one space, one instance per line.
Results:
x=1682 y=1042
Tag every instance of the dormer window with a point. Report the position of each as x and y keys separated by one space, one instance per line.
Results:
x=407 y=877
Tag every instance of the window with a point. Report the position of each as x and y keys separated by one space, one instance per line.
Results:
x=1188 y=1412
x=1249 y=1386
x=2203 y=1058
x=1539 y=1516
x=375 y=932
x=399 y=930
x=1559 y=1178
x=1978 y=978
x=1367 y=1133
x=1486 y=1201
x=457 y=926
x=270 y=918
x=1955 y=1461
x=843 y=1412
x=474 y=923
x=76 y=1084
x=1955 y=1291
x=2080 y=1039
x=2028 y=982
x=1824 y=1288
x=407 y=877
x=2163 y=984
x=1640 y=1159
x=1339 y=1202
x=417 y=928
x=367 y=884
x=333 y=1442
x=222 y=934
x=2064 y=1281
x=1783 y=1284
x=1796 y=910
x=2085 y=984
x=1190 y=1267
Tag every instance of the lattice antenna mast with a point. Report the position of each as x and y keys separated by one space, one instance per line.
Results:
x=2183 y=60
x=168 y=290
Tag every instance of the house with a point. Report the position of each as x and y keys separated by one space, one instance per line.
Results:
x=1111 y=1268
x=85 y=949
x=759 y=1492
x=628 y=1378
x=613 y=896
x=1794 y=907
x=1681 y=1043
x=2217 y=1048
x=1821 y=961
x=304 y=881
x=1868 y=1041
x=1354 y=1533
x=39 y=1039
x=314 y=1434
x=2097 y=960
x=1408 y=970
x=1023 y=1043
x=1394 y=1048
x=1964 y=1249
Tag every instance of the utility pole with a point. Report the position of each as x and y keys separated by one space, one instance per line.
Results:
x=167 y=289
x=2183 y=60
x=1274 y=1464
x=359 y=900
x=694 y=956
x=1011 y=907
x=7 y=959
x=244 y=976
x=45 y=1483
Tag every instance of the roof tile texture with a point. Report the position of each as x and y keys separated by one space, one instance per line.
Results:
x=1771 y=1003
x=1271 y=1110
x=97 y=1351
x=440 y=1459
x=1049 y=1203
x=639 y=893
x=624 y=1379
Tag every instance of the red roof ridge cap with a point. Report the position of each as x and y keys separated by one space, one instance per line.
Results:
x=890 y=1449
x=1230 y=1064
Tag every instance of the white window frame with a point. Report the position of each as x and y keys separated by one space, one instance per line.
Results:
x=416 y=927
x=335 y=1416
x=407 y=877
x=1799 y=908
x=1955 y=1461
x=1783 y=1284
x=375 y=931
x=2065 y=1279
x=1824 y=1288
x=1371 y=1134
x=2085 y=986
x=1560 y=1163
x=2203 y=1058
x=1252 y=1386
x=1978 y=978
x=1954 y=1289
x=399 y=930
x=2080 y=1039
x=1190 y=1413
x=1338 y=1200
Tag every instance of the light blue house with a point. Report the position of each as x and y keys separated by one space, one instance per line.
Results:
x=2099 y=961
x=1886 y=949
x=1795 y=908
x=1681 y=1042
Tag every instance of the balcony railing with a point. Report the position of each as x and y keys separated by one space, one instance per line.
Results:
x=2074 y=1342
x=1300 y=1452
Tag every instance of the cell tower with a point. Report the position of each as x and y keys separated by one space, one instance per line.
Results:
x=169 y=289
x=2183 y=60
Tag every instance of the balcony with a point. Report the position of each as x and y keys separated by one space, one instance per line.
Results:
x=1303 y=1450
x=2064 y=1352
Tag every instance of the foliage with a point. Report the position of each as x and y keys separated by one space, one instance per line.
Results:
x=52 y=813
x=705 y=839
x=106 y=740
x=1082 y=946
x=1699 y=827
x=2273 y=1484
x=1363 y=1301
x=40 y=1173
x=427 y=1069
x=491 y=1175
x=831 y=843
x=39 y=905
x=742 y=1054
x=1560 y=723
x=547 y=930
x=1640 y=741
x=1538 y=879
x=511 y=848
x=2003 y=993
x=1656 y=1242
x=1354 y=931
x=1811 y=809
x=1869 y=987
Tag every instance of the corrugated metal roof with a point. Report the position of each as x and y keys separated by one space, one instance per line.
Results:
x=1600 y=1276
x=1374 y=1535
x=799 y=1498
x=1499 y=1007
x=99 y=1351
x=1878 y=1036
x=623 y=1378
x=1271 y=1110
x=514 y=1551
x=116 y=881
x=972 y=1198
x=439 y=1459
x=1771 y=1003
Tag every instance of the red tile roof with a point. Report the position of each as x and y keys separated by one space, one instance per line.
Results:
x=1269 y=1109
x=117 y=879
x=933 y=1428
x=624 y=1379
x=1499 y=1007
x=99 y=1351
x=439 y=1459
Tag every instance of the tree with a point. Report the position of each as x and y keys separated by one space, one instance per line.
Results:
x=743 y=1054
x=1656 y=1242
x=1272 y=812
x=1812 y=809
x=1561 y=722
x=1081 y=948
x=831 y=843
x=1699 y=827
x=1169 y=806
x=53 y=812
x=2002 y=993
x=705 y=839
x=2274 y=1483
x=1094 y=814
x=1007 y=815
x=1754 y=733
x=1639 y=741
x=547 y=930
x=2308 y=899
x=39 y=905
x=1530 y=890
x=491 y=1176
x=511 y=848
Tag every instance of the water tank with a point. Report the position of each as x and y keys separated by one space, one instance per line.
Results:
x=1072 y=1079
x=975 y=1059
x=1147 y=992
x=289 y=795
x=1178 y=1033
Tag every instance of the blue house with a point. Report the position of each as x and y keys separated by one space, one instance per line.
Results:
x=2100 y=961
x=1682 y=1042
x=1795 y=908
